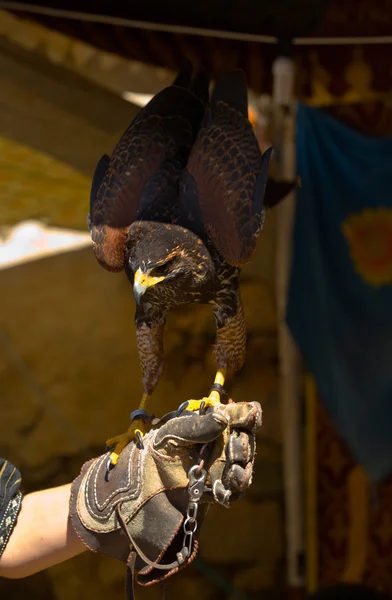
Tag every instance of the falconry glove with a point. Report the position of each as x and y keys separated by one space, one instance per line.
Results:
x=148 y=510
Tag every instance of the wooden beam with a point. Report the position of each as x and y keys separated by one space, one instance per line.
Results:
x=56 y=111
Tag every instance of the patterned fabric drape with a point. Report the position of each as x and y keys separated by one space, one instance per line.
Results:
x=334 y=463
x=334 y=516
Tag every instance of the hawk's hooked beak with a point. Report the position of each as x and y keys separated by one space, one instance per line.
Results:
x=142 y=281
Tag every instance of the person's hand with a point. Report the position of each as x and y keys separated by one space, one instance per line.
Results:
x=148 y=510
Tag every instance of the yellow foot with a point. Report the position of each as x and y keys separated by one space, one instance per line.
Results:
x=203 y=404
x=212 y=400
x=119 y=442
x=140 y=424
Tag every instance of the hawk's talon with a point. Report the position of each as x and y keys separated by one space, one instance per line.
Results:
x=182 y=407
x=134 y=434
x=139 y=442
x=110 y=464
x=202 y=405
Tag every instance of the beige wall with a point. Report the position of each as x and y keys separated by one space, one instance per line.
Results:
x=71 y=323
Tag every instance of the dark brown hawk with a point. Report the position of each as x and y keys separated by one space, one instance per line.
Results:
x=179 y=206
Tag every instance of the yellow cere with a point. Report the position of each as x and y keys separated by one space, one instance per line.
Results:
x=144 y=280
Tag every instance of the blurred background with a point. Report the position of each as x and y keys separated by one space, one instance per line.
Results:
x=317 y=295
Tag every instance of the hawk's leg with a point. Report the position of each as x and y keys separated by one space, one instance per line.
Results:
x=214 y=396
x=140 y=424
x=229 y=348
x=149 y=338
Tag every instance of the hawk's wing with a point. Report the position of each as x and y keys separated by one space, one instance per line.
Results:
x=141 y=178
x=226 y=175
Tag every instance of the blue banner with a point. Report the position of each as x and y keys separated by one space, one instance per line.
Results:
x=340 y=294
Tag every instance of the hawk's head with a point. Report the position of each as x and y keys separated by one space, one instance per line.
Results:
x=168 y=262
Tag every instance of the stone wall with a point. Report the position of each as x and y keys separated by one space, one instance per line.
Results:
x=69 y=377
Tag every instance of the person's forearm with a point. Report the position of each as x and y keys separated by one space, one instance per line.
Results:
x=43 y=535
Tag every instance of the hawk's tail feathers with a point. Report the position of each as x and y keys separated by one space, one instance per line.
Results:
x=184 y=76
x=231 y=88
x=200 y=85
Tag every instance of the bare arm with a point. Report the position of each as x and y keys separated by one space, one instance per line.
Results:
x=42 y=536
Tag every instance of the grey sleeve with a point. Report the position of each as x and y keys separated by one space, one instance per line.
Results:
x=10 y=500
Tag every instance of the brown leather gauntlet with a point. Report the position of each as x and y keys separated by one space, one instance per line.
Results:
x=148 y=510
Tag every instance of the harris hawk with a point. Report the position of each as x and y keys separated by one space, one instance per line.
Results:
x=179 y=206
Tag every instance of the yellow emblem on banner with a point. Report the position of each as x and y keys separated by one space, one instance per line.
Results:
x=369 y=236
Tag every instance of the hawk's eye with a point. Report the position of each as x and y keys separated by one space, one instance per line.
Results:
x=162 y=270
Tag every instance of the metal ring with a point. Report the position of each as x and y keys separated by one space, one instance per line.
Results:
x=192 y=511
x=200 y=467
x=188 y=530
x=198 y=474
x=187 y=541
x=190 y=520
x=202 y=406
